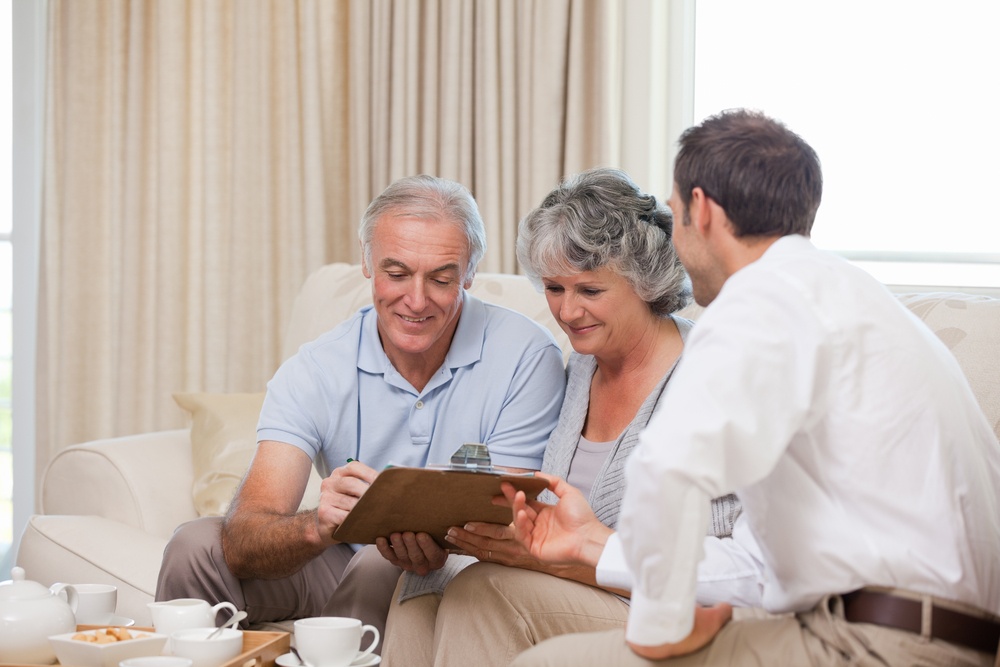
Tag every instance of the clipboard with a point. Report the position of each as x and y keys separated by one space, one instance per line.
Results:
x=430 y=500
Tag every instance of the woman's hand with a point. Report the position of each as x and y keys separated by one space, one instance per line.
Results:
x=492 y=542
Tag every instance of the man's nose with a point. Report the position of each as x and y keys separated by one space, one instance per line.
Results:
x=416 y=296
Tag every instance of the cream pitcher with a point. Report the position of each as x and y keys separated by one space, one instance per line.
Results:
x=183 y=613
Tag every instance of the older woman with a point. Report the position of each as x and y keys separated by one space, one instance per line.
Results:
x=600 y=248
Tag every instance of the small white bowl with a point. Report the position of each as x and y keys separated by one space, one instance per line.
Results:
x=203 y=652
x=71 y=651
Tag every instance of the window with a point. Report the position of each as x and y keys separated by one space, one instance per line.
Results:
x=22 y=71
x=6 y=357
x=896 y=97
x=6 y=298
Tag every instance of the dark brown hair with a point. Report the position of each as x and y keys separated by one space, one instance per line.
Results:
x=766 y=177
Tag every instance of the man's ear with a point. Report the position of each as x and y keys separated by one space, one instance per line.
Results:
x=708 y=216
x=700 y=210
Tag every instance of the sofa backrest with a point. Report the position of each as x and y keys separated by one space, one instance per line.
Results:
x=968 y=324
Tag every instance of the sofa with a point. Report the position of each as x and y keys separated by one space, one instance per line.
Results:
x=108 y=507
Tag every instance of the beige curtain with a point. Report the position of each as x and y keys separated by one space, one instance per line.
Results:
x=203 y=156
x=505 y=97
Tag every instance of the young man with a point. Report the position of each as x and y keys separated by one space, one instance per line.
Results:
x=406 y=381
x=867 y=471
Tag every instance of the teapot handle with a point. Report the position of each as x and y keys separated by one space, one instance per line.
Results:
x=67 y=591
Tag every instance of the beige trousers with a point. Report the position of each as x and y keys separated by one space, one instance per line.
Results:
x=815 y=638
x=338 y=582
x=489 y=614
x=193 y=567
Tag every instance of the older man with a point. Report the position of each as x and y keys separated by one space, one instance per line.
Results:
x=867 y=471
x=406 y=381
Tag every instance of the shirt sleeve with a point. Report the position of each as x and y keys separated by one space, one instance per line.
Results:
x=730 y=572
x=612 y=570
x=709 y=438
x=531 y=410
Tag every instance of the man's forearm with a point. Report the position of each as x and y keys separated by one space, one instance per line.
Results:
x=270 y=546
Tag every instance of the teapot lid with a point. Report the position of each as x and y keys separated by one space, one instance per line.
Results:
x=18 y=588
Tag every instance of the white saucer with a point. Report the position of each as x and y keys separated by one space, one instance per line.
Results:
x=289 y=660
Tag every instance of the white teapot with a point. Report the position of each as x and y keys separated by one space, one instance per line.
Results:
x=29 y=614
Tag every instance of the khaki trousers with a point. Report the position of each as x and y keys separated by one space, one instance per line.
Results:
x=338 y=582
x=816 y=638
x=193 y=567
x=489 y=614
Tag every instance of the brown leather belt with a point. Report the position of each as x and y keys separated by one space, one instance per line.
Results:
x=893 y=611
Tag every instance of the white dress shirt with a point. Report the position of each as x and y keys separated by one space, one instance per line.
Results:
x=845 y=426
x=731 y=570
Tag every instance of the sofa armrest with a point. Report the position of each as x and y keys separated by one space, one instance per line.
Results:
x=143 y=481
x=93 y=549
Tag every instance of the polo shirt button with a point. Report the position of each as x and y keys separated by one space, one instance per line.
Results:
x=420 y=405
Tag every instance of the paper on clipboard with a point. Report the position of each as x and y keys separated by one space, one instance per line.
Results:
x=430 y=500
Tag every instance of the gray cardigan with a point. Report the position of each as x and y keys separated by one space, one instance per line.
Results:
x=609 y=486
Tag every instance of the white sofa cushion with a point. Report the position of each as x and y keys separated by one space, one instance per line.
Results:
x=223 y=441
x=970 y=326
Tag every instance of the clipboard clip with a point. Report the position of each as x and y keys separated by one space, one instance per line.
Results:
x=472 y=456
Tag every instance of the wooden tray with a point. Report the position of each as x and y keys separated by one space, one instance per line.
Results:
x=259 y=648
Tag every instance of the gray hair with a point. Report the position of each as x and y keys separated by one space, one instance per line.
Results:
x=427 y=198
x=600 y=218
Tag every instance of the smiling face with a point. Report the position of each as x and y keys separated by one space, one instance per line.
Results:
x=598 y=310
x=417 y=272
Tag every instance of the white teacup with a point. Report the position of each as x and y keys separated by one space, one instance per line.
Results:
x=332 y=641
x=169 y=616
x=95 y=604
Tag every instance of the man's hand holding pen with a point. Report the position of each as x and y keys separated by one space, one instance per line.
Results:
x=339 y=493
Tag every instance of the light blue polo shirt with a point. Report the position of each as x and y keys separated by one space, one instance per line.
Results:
x=340 y=397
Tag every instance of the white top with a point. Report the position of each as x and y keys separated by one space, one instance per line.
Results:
x=588 y=459
x=846 y=428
